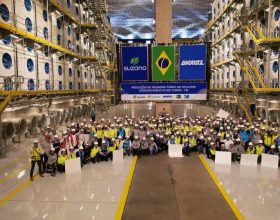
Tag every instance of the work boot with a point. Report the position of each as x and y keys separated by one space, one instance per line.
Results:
x=31 y=178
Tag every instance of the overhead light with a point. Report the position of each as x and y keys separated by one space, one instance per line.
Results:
x=14 y=36
x=38 y=45
x=130 y=42
x=148 y=41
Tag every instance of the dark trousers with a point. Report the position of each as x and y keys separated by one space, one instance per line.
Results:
x=136 y=152
x=93 y=118
x=186 y=150
x=61 y=168
x=33 y=162
x=110 y=155
x=51 y=169
x=44 y=159
x=259 y=158
x=104 y=158
x=234 y=157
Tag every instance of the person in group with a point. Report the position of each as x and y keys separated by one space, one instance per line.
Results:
x=61 y=161
x=121 y=131
x=71 y=154
x=135 y=146
x=267 y=140
x=153 y=149
x=94 y=154
x=93 y=114
x=144 y=146
x=73 y=138
x=52 y=159
x=35 y=157
x=126 y=145
x=103 y=151
x=46 y=148
x=240 y=149
x=251 y=149
x=56 y=144
x=259 y=149
x=212 y=151
x=112 y=148
x=81 y=154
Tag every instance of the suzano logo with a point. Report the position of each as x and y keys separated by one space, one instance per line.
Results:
x=192 y=63
x=134 y=62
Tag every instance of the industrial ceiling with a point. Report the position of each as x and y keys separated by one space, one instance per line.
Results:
x=134 y=19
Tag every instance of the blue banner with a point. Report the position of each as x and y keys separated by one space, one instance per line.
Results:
x=163 y=91
x=135 y=63
x=192 y=62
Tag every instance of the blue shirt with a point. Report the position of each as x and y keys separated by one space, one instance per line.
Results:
x=244 y=136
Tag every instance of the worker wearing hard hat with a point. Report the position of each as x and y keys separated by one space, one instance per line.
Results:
x=93 y=114
x=259 y=150
x=135 y=146
x=267 y=140
x=61 y=161
x=103 y=151
x=251 y=149
x=153 y=149
x=94 y=155
x=144 y=146
x=240 y=148
x=81 y=154
x=35 y=156
x=71 y=153
x=126 y=145
x=52 y=159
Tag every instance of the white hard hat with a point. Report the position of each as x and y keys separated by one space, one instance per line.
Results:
x=209 y=138
x=227 y=135
x=119 y=137
x=103 y=142
x=95 y=143
x=82 y=124
x=250 y=144
x=152 y=138
x=160 y=136
x=81 y=148
x=201 y=137
x=212 y=143
x=64 y=132
x=144 y=138
x=113 y=139
x=73 y=130
x=228 y=127
x=71 y=148
x=238 y=139
x=136 y=137
x=35 y=141
x=56 y=136
x=172 y=136
x=260 y=141
x=63 y=150
x=52 y=149
x=272 y=146
x=190 y=133
x=73 y=124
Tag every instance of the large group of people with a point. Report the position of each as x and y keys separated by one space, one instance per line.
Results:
x=95 y=141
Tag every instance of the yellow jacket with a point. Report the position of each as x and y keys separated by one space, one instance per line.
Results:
x=61 y=159
x=35 y=153
x=93 y=152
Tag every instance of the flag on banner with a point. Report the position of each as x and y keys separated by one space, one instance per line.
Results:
x=163 y=63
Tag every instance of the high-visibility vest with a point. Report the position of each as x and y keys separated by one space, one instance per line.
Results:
x=274 y=138
x=112 y=148
x=35 y=153
x=212 y=151
x=267 y=139
x=249 y=151
x=127 y=131
x=186 y=128
x=112 y=133
x=93 y=129
x=168 y=129
x=259 y=149
x=192 y=141
x=106 y=133
x=71 y=155
x=93 y=152
x=99 y=134
x=178 y=140
x=199 y=128
x=61 y=159
x=184 y=139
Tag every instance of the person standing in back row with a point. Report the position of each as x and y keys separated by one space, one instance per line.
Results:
x=93 y=114
x=35 y=156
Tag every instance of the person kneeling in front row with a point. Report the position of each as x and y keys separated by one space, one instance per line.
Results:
x=52 y=158
x=94 y=154
x=61 y=161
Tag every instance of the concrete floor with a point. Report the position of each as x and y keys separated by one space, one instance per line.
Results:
x=254 y=190
x=169 y=189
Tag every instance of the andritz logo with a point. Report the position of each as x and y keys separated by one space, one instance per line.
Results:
x=192 y=63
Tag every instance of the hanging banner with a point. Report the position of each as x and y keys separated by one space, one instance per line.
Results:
x=163 y=63
x=192 y=60
x=135 y=63
x=163 y=91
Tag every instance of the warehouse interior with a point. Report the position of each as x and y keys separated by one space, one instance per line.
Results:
x=62 y=67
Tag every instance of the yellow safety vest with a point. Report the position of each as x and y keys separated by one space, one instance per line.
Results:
x=112 y=133
x=71 y=155
x=99 y=133
x=248 y=151
x=184 y=139
x=193 y=142
x=93 y=152
x=267 y=139
x=61 y=159
x=199 y=128
x=112 y=148
x=177 y=140
x=106 y=133
x=213 y=151
x=35 y=153
x=259 y=149
x=186 y=128
x=274 y=138
x=168 y=129
x=127 y=131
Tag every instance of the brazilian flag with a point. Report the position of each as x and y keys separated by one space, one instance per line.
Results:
x=163 y=63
